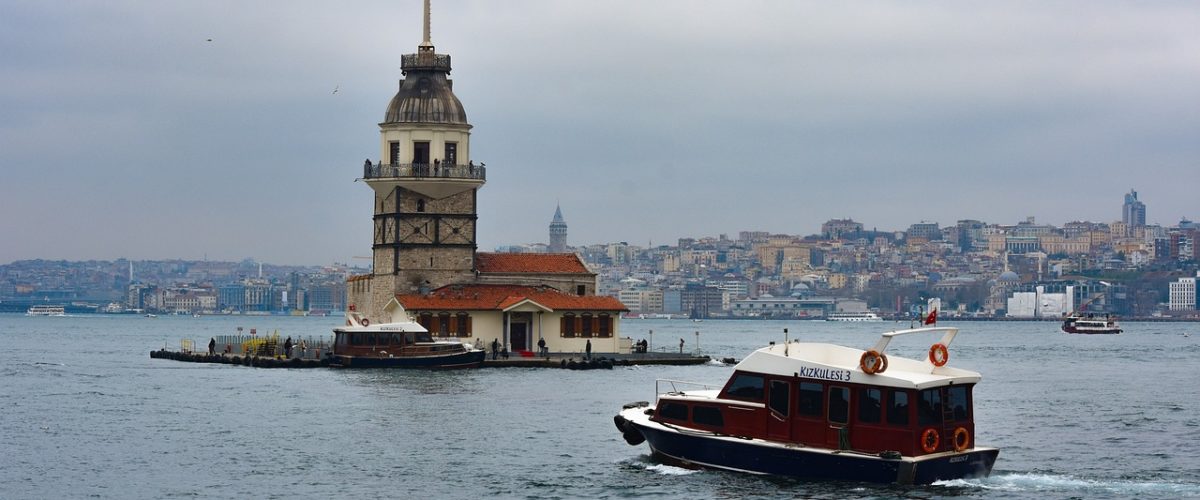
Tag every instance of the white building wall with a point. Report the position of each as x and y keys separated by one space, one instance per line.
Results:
x=1182 y=295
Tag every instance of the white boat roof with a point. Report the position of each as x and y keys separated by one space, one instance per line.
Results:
x=394 y=319
x=837 y=363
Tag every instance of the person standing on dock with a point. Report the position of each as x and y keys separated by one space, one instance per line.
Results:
x=681 y=346
x=542 y=347
x=495 y=348
x=287 y=347
x=589 y=349
x=212 y=345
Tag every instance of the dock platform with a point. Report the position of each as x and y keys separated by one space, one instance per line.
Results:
x=571 y=361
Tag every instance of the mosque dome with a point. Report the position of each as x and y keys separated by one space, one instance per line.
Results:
x=1009 y=276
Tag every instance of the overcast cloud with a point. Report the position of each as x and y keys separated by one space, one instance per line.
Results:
x=125 y=132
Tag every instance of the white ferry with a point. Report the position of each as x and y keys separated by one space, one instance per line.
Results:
x=46 y=311
x=853 y=316
x=822 y=411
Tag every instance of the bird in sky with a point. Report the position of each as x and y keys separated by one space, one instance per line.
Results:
x=209 y=40
x=335 y=88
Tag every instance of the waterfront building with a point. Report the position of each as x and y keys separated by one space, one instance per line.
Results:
x=558 y=232
x=424 y=250
x=1133 y=212
x=1182 y=294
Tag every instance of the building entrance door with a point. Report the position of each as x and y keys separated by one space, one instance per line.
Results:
x=519 y=336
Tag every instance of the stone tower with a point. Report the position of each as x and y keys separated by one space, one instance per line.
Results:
x=425 y=186
x=558 y=232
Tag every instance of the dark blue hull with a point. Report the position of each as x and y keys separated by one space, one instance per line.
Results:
x=469 y=359
x=756 y=457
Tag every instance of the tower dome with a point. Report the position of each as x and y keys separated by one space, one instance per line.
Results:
x=426 y=93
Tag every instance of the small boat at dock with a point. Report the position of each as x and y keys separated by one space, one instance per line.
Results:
x=397 y=342
x=822 y=411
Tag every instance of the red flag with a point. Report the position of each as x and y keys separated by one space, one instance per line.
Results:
x=932 y=318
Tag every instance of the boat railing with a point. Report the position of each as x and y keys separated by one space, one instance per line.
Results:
x=424 y=171
x=668 y=386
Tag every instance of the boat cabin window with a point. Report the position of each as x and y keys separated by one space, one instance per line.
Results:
x=708 y=415
x=673 y=411
x=810 y=398
x=746 y=387
x=897 y=410
x=781 y=397
x=397 y=339
x=869 y=406
x=956 y=398
x=839 y=405
x=929 y=409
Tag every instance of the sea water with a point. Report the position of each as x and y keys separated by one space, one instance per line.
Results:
x=85 y=412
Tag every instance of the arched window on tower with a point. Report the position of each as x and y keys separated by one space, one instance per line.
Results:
x=420 y=205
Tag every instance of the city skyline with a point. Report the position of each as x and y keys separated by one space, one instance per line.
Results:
x=773 y=117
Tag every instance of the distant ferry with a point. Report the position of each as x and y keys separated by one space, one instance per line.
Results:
x=853 y=316
x=1090 y=323
x=46 y=311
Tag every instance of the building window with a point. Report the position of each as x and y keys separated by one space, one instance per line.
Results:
x=587 y=327
x=581 y=290
x=451 y=153
x=394 y=152
x=421 y=153
x=605 y=325
x=568 y=325
x=443 y=324
x=462 y=325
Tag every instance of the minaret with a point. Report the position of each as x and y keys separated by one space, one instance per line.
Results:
x=425 y=185
x=558 y=232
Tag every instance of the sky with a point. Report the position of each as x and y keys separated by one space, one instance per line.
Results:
x=212 y=130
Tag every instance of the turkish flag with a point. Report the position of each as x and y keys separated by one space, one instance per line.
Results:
x=932 y=318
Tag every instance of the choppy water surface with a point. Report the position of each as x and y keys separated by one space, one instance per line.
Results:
x=85 y=412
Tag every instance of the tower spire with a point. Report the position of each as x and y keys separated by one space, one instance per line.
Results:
x=426 y=42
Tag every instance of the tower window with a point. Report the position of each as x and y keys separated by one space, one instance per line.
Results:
x=421 y=153
x=451 y=157
x=394 y=152
x=580 y=289
x=420 y=205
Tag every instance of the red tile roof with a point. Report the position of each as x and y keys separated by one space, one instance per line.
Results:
x=566 y=263
x=500 y=297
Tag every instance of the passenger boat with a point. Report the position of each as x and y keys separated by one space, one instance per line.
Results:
x=854 y=316
x=1090 y=323
x=43 y=310
x=822 y=411
x=399 y=342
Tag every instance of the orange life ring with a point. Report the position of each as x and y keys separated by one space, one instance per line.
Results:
x=873 y=362
x=365 y=322
x=939 y=354
x=962 y=439
x=930 y=440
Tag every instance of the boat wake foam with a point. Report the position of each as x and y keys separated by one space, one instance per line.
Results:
x=670 y=470
x=1073 y=486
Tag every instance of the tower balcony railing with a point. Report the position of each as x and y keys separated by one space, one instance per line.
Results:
x=423 y=170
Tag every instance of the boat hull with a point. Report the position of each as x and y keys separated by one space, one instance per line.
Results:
x=695 y=448
x=469 y=359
